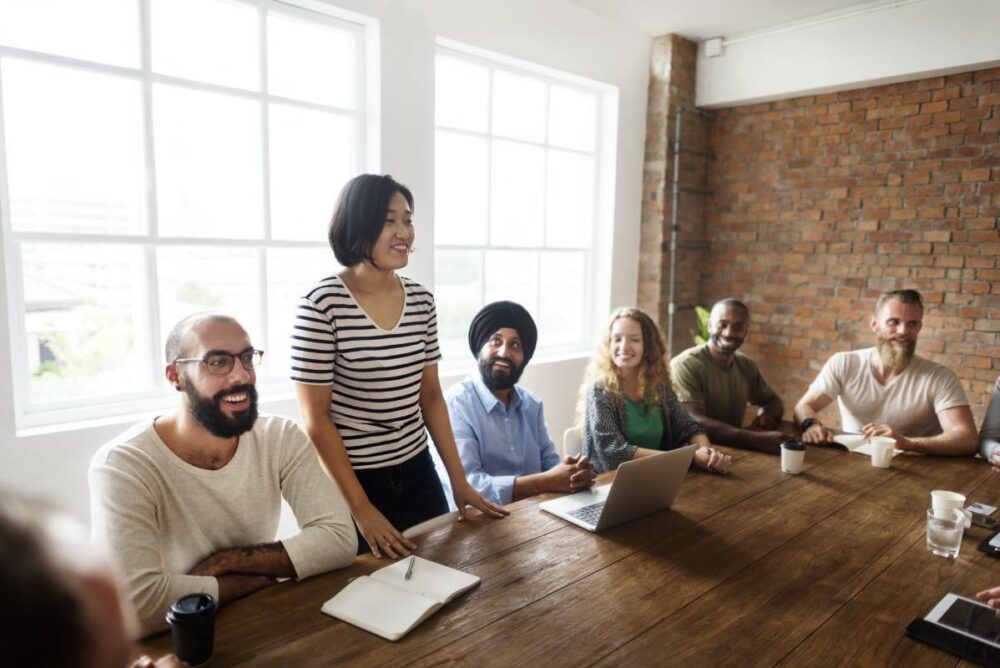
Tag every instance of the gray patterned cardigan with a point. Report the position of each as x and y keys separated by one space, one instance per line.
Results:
x=605 y=426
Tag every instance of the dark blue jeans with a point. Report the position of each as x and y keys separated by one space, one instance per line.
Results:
x=407 y=493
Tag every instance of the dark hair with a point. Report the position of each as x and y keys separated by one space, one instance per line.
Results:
x=41 y=618
x=902 y=296
x=360 y=216
x=732 y=301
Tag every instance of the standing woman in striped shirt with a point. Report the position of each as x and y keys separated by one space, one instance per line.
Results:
x=364 y=359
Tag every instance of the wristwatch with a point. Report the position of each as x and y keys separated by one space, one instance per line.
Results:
x=809 y=422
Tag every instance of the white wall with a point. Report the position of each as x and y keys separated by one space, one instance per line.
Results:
x=917 y=39
x=555 y=34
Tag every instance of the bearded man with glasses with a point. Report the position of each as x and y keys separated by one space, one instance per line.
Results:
x=190 y=501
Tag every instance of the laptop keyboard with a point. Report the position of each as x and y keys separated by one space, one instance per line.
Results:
x=588 y=514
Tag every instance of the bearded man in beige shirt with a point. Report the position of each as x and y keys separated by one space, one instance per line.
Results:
x=890 y=391
x=190 y=501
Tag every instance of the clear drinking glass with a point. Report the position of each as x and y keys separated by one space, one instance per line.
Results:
x=944 y=531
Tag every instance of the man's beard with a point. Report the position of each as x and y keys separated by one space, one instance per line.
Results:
x=894 y=357
x=501 y=381
x=207 y=411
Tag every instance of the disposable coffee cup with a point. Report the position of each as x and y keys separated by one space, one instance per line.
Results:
x=943 y=502
x=882 y=448
x=192 y=625
x=793 y=456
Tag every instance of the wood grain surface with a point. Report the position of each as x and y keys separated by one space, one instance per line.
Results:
x=755 y=568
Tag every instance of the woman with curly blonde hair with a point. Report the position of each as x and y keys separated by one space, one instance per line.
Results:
x=627 y=405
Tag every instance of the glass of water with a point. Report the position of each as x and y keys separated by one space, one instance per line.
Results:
x=944 y=531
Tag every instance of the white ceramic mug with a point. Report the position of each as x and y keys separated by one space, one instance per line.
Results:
x=882 y=448
x=943 y=501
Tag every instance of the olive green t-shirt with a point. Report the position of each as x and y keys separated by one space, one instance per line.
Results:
x=723 y=393
x=645 y=428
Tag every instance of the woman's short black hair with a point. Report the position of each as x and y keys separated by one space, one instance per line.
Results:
x=360 y=216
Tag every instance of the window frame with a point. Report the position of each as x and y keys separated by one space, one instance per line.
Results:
x=28 y=415
x=596 y=260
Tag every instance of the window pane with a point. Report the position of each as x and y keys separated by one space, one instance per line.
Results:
x=105 y=31
x=462 y=94
x=517 y=198
x=458 y=294
x=312 y=157
x=74 y=149
x=570 y=200
x=308 y=61
x=84 y=315
x=563 y=282
x=572 y=118
x=208 y=164
x=461 y=189
x=512 y=275
x=518 y=107
x=206 y=40
x=291 y=273
x=209 y=278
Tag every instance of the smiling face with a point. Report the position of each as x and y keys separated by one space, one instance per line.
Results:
x=626 y=344
x=896 y=326
x=392 y=248
x=501 y=360
x=727 y=328
x=225 y=404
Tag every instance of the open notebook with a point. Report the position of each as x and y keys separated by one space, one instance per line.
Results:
x=387 y=604
x=858 y=444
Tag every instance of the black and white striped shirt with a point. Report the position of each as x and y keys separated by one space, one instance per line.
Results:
x=375 y=374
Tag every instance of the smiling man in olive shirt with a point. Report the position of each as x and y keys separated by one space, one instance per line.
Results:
x=714 y=383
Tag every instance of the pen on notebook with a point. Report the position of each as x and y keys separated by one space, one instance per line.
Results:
x=409 y=569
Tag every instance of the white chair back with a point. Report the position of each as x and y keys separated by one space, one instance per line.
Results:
x=572 y=441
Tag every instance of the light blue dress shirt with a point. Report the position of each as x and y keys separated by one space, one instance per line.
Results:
x=497 y=443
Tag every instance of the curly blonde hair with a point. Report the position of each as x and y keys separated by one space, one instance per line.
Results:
x=654 y=371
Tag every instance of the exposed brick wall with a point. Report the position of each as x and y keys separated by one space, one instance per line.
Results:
x=671 y=87
x=822 y=202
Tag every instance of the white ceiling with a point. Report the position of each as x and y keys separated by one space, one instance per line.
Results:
x=703 y=19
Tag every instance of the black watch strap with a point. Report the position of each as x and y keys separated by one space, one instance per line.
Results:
x=808 y=422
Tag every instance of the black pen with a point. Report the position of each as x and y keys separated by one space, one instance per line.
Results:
x=409 y=569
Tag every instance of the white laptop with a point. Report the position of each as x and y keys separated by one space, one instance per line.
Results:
x=640 y=487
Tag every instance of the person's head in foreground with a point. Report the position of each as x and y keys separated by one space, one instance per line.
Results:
x=61 y=603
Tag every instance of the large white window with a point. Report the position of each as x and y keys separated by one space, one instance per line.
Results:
x=518 y=166
x=157 y=158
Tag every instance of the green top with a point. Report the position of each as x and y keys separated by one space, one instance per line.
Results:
x=645 y=428
x=723 y=393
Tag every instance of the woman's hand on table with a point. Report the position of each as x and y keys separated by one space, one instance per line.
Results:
x=466 y=495
x=381 y=536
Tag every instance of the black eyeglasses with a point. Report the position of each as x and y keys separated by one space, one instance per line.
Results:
x=220 y=363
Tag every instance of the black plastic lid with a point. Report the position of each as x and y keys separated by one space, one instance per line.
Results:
x=190 y=607
x=793 y=444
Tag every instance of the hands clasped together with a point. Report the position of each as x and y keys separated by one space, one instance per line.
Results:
x=712 y=460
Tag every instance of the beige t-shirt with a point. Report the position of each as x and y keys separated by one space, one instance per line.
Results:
x=723 y=393
x=159 y=516
x=909 y=403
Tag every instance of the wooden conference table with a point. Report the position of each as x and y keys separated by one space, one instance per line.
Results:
x=754 y=568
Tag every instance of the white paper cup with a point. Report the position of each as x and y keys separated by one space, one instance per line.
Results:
x=793 y=456
x=882 y=448
x=943 y=502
